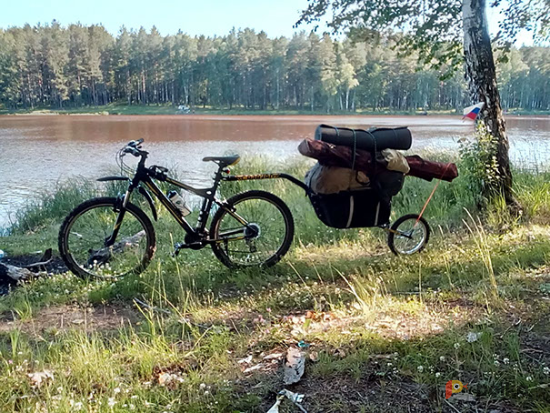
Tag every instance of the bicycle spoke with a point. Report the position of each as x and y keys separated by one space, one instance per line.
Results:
x=87 y=237
x=264 y=235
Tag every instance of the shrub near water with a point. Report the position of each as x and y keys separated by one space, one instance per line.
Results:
x=51 y=207
x=446 y=208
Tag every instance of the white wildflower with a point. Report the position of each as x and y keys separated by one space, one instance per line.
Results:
x=472 y=337
x=420 y=369
x=111 y=402
x=457 y=345
x=116 y=390
x=202 y=386
x=546 y=370
x=497 y=363
x=441 y=358
x=437 y=374
x=529 y=378
x=506 y=360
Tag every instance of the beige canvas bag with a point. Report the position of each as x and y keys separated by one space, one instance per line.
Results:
x=396 y=161
x=333 y=179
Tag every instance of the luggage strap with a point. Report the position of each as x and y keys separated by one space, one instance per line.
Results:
x=373 y=160
x=431 y=195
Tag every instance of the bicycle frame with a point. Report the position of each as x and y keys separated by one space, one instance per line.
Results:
x=197 y=237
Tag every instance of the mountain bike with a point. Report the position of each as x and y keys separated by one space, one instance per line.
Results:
x=110 y=237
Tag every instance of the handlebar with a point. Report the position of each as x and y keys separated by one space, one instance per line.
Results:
x=134 y=148
x=132 y=151
x=135 y=144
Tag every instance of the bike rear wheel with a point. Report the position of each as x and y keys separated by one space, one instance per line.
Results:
x=83 y=240
x=257 y=232
x=408 y=235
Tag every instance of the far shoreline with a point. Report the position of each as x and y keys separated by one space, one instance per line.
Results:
x=151 y=110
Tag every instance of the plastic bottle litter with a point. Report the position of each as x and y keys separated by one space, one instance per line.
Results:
x=179 y=202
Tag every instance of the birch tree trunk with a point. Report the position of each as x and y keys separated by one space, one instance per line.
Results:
x=482 y=85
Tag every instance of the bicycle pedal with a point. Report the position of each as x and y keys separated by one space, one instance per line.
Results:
x=179 y=246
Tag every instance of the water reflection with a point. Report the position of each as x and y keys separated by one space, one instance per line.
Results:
x=38 y=151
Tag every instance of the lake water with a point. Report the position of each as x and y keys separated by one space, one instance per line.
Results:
x=36 y=152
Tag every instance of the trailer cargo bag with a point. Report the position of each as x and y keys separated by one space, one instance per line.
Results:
x=351 y=209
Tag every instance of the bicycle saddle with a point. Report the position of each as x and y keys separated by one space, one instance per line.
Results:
x=223 y=160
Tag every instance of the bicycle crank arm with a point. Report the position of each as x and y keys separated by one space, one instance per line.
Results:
x=193 y=246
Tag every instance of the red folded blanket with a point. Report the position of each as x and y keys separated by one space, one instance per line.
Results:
x=336 y=155
x=429 y=170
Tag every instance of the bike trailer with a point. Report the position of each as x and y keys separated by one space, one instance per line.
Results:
x=353 y=188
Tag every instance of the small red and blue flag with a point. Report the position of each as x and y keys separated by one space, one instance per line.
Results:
x=471 y=112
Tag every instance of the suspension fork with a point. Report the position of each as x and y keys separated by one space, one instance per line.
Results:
x=122 y=201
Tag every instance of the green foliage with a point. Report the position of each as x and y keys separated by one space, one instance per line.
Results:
x=479 y=162
x=48 y=208
x=432 y=31
x=83 y=67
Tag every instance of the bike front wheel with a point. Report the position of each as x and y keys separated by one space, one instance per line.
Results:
x=408 y=235
x=85 y=243
x=254 y=229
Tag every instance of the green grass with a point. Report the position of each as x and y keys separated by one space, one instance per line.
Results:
x=386 y=332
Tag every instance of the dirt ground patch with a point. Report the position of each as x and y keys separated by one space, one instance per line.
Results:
x=66 y=317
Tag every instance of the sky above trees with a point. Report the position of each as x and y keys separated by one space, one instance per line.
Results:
x=205 y=17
